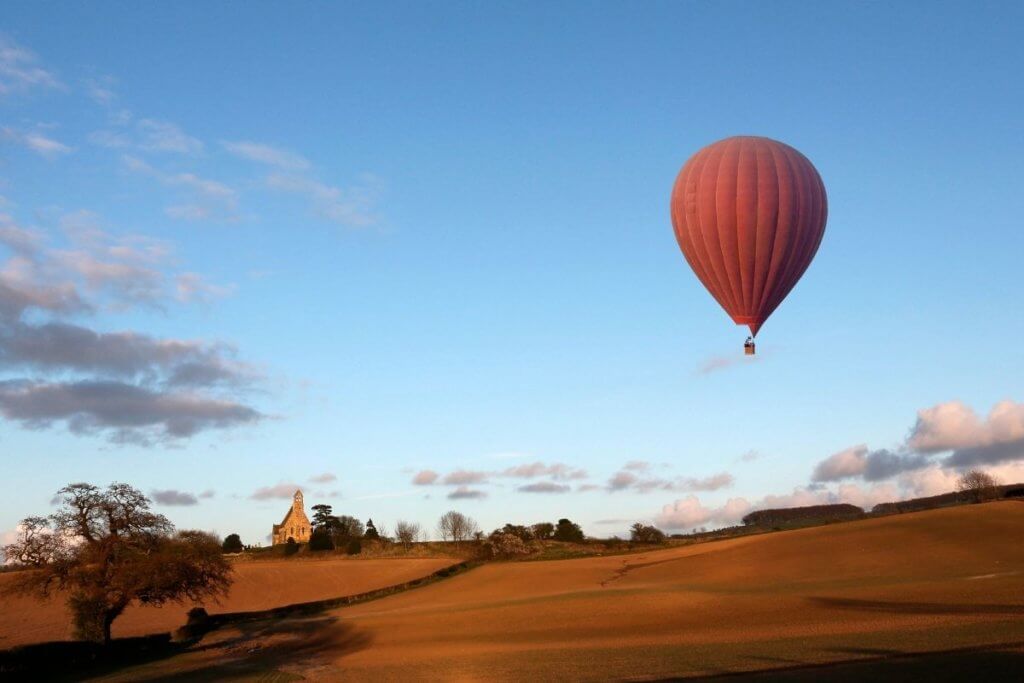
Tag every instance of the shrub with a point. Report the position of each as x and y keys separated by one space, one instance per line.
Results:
x=568 y=532
x=354 y=547
x=522 y=532
x=641 y=533
x=543 y=531
x=291 y=547
x=321 y=539
x=501 y=544
x=232 y=544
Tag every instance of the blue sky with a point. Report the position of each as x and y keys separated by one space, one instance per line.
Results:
x=319 y=239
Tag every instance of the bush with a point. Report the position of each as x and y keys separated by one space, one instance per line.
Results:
x=501 y=544
x=354 y=547
x=321 y=539
x=543 y=531
x=291 y=547
x=568 y=532
x=232 y=544
x=523 y=533
x=641 y=533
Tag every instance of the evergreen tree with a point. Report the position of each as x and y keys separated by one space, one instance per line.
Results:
x=321 y=516
x=569 y=532
x=371 y=531
x=232 y=544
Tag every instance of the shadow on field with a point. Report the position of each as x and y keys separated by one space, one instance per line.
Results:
x=259 y=649
x=251 y=642
x=916 y=607
x=246 y=649
x=1003 y=662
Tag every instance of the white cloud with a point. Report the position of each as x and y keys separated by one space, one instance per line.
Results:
x=955 y=426
x=459 y=477
x=150 y=135
x=266 y=154
x=557 y=470
x=37 y=142
x=194 y=287
x=284 y=490
x=850 y=462
x=425 y=477
x=351 y=207
x=205 y=199
x=100 y=89
x=688 y=513
x=624 y=479
x=20 y=70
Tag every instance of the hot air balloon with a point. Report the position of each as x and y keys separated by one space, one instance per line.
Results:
x=749 y=214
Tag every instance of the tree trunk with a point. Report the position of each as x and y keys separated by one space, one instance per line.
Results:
x=108 y=620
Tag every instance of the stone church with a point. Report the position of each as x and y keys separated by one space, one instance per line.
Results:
x=295 y=524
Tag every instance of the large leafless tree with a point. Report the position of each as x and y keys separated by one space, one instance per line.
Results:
x=978 y=486
x=407 y=533
x=457 y=527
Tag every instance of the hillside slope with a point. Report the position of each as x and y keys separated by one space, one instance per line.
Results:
x=928 y=581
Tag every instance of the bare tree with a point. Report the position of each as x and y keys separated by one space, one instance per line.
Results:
x=978 y=486
x=457 y=527
x=106 y=549
x=407 y=533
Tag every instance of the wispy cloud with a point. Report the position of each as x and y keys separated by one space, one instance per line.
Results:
x=42 y=145
x=466 y=493
x=284 y=490
x=459 y=477
x=20 y=69
x=206 y=199
x=149 y=135
x=352 y=207
x=173 y=497
x=425 y=477
x=629 y=480
x=717 y=363
x=266 y=154
x=545 y=487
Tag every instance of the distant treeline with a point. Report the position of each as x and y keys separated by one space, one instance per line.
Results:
x=803 y=515
x=944 y=500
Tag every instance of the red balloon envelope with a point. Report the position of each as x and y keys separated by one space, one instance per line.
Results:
x=749 y=214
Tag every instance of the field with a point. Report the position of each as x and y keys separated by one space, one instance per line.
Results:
x=258 y=586
x=925 y=595
x=879 y=590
